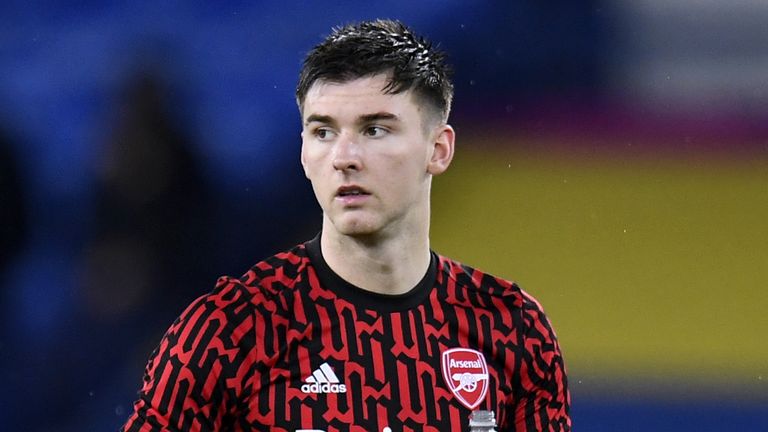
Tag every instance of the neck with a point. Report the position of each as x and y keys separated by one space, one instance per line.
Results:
x=382 y=264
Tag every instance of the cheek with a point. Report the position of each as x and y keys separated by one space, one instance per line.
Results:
x=310 y=160
x=404 y=177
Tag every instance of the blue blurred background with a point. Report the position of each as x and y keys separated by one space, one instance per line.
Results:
x=611 y=158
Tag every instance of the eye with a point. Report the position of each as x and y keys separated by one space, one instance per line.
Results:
x=323 y=134
x=375 y=131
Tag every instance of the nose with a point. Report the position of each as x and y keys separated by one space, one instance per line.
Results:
x=346 y=155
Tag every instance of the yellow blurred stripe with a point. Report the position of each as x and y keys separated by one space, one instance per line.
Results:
x=644 y=266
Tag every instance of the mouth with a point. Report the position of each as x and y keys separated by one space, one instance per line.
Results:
x=351 y=191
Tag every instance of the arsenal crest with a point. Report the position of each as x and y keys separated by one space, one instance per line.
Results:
x=466 y=374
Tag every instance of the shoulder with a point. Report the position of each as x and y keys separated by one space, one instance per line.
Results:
x=503 y=294
x=278 y=272
x=264 y=287
x=236 y=310
x=222 y=337
x=268 y=278
x=467 y=277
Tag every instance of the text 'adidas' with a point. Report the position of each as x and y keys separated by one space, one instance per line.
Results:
x=323 y=380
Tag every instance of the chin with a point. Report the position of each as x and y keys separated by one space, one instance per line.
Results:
x=357 y=231
x=356 y=228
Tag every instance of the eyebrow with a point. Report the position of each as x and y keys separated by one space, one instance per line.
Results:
x=319 y=118
x=365 y=118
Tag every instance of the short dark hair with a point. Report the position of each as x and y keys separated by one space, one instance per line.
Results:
x=381 y=46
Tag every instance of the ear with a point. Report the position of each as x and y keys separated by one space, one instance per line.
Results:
x=442 y=149
x=303 y=157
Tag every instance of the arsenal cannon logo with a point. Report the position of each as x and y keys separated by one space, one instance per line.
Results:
x=466 y=374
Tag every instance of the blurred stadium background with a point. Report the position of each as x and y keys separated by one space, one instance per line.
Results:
x=612 y=159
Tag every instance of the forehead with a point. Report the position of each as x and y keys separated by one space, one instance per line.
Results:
x=357 y=97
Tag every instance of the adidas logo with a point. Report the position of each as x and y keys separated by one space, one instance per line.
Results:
x=323 y=380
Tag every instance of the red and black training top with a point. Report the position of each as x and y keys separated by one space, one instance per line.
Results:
x=291 y=346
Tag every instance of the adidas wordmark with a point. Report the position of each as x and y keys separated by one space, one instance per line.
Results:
x=323 y=380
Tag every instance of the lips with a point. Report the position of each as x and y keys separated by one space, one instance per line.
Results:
x=352 y=196
x=351 y=191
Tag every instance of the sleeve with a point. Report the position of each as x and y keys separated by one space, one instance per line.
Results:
x=546 y=405
x=194 y=378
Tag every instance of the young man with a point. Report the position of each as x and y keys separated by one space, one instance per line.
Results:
x=362 y=328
